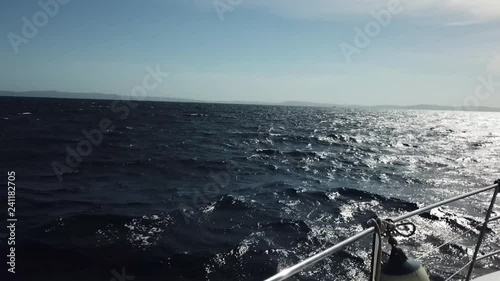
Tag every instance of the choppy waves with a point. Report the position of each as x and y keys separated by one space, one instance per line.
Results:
x=229 y=192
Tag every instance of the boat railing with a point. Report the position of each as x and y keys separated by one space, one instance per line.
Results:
x=377 y=240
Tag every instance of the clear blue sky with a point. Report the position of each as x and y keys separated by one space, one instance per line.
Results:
x=263 y=50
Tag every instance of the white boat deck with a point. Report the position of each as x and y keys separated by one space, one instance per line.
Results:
x=490 y=277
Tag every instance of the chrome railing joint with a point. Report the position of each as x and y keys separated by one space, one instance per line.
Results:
x=375 y=267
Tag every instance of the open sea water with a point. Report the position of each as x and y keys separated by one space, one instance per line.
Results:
x=187 y=192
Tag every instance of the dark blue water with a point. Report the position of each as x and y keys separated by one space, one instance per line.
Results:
x=177 y=191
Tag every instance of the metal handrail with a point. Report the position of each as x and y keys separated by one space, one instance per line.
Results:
x=444 y=202
x=483 y=232
x=494 y=253
x=282 y=275
x=290 y=271
x=494 y=218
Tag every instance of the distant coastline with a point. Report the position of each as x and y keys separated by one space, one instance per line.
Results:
x=100 y=96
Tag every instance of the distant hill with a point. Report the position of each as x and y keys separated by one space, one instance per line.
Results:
x=91 y=96
x=440 y=107
x=302 y=103
x=99 y=96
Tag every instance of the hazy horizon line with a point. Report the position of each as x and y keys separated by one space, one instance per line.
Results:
x=104 y=96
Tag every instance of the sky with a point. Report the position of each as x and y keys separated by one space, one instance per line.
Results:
x=370 y=52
